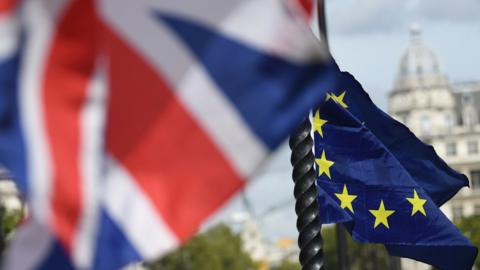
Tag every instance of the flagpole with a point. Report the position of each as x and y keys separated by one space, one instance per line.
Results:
x=322 y=22
x=305 y=191
x=340 y=232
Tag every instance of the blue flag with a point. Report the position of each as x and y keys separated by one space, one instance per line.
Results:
x=383 y=183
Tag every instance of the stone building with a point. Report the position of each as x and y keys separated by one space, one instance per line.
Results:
x=444 y=114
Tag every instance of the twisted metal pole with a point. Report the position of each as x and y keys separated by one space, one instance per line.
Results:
x=301 y=143
x=308 y=223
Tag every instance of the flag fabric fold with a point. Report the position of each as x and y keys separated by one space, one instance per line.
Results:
x=439 y=180
x=386 y=184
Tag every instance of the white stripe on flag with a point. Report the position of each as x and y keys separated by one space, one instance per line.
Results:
x=91 y=165
x=135 y=23
x=135 y=214
x=282 y=31
x=30 y=246
x=221 y=121
x=195 y=89
x=275 y=27
x=39 y=22
x=9 y=35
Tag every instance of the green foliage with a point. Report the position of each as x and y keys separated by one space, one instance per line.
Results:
x=217 y=249
x=288 y=265
x=362 y=256
x=470 y=227
x=10 y=220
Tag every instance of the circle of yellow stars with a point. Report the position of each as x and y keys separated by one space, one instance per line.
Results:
x=381 y=214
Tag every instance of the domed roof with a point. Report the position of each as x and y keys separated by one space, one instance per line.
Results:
x=419 y=66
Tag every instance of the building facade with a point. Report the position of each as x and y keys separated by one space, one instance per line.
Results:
x=266 y=253
x=443 y=114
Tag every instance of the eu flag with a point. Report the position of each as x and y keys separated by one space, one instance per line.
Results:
x=383 y=183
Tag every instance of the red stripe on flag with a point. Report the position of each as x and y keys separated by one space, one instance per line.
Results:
x=7 y=6
x=307 y=6
x=69 y=68
x=153 y=136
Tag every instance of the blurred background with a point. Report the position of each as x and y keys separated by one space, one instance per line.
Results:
x=419 y=61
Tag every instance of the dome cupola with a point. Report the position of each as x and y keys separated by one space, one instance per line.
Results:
x=419 y=66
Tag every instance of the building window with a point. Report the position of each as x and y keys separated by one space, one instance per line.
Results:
x=475 y=179
x=457 y=212
x=425 y=124
x=469 y=112
x=451 y=149
x=449 y=122
x=470 y=119
x=472 y=147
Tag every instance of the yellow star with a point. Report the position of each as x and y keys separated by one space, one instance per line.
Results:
x=318 y=123
x=417 y=204
x=328 y=96
x=324 y=165
x=346 y=199
x=381 y=215
x=339 y=99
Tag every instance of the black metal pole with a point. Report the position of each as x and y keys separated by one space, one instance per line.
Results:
x=308 y=222
x=322 y=22
x=341 y=234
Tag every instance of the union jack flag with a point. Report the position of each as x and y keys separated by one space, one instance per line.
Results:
x=127 y=123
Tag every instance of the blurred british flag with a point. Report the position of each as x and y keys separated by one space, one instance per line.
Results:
x=127 y=123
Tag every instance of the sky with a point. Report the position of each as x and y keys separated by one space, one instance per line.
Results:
x=368 y=38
